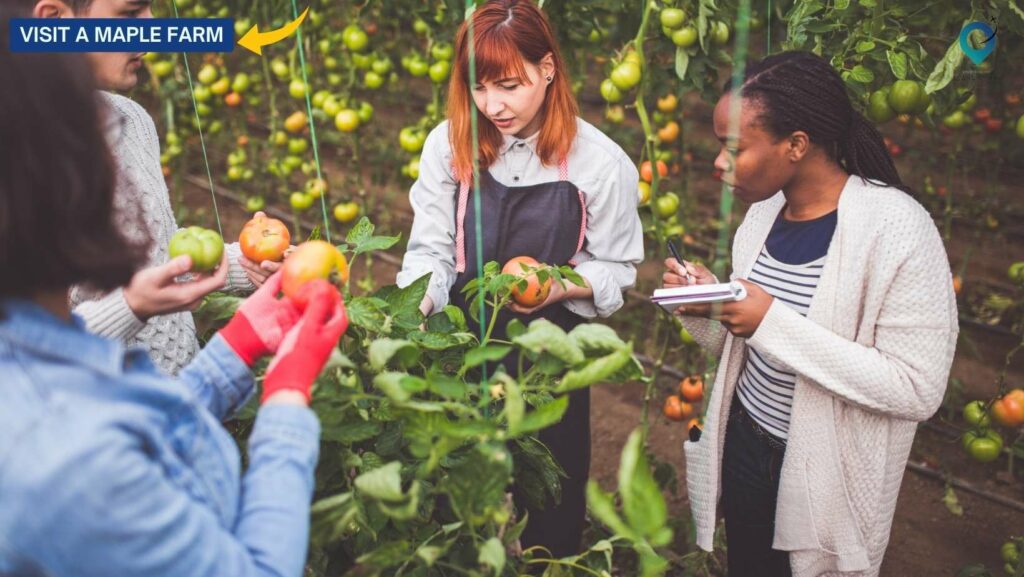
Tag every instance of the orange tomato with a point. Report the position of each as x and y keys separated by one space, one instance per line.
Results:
x=263 y=239
x=958 y=284
x=676 y=409
x=233 y=99
x=1009 y=410
x=535 y=292
x=647 y=175
x=692 y=388
x=312 y=260
x=695 y=422
x=669 y=133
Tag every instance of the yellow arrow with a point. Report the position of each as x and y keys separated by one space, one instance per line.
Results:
x=255 y=40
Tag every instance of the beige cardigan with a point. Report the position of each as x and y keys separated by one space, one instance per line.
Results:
x=872 y=359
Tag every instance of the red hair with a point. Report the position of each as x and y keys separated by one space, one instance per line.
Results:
x=506 y=33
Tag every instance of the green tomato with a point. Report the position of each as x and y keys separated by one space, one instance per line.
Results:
x=411 y=139
x=442 y=51
x=413 y=167
x=331 y=63
x=279 y=68
x=968 y=104
x=255 y=203
x=221 y=87
x=686 y=337
x=975 y=414
x=207 y=74
x=241 y=83
x=609 y=91
x=626 y=75
x=202 y=93
x=672 y=17
x=235 y=173
x=365 y=112
x=205 y=247
x=355 y=38
x=331 y=107
x=420 y=27
x=685 y=37
x=297 y=146
x=984 y=446
x=363 y=61
x=957 y=119
x=720 y=33
x=905 y=96
x=347 y=120
x=382 y=66
x=418 y=67
x=297 y=89
x=162 y=68
x=319 y=97
x=879 y=110
x=1020 y=127
x=300 y=201
x=1016 y=272
x=372 y=80
x=439 y=71
x=667 y=205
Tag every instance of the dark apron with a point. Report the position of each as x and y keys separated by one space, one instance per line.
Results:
x=544 y=221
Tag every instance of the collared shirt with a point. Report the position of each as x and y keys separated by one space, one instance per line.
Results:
x=108 y=467
x=597 y=166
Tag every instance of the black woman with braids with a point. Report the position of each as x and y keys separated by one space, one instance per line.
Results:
x=843 y=344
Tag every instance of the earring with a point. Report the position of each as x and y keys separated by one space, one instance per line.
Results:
x=549 y=79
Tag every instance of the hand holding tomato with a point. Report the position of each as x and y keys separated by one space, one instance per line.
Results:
x=154 y=291
x=311 y=260
x=261 y=322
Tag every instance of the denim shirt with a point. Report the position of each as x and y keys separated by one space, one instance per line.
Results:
x=109 y=468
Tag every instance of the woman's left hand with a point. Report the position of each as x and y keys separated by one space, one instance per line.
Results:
x=743 y=317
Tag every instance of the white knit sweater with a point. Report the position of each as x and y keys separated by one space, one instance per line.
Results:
x=872 y=359
x=143 y=206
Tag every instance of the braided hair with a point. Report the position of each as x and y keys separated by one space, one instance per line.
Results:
x=800 y=91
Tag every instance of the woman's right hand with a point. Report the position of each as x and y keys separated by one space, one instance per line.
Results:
x=687 y=274
x=307 y=346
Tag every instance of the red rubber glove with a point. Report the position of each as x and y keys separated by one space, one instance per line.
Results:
x=307 y=346
x=261 y=322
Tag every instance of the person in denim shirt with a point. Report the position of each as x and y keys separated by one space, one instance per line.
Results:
x=108 y=467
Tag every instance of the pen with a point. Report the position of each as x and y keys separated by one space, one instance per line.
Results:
x=675 y=254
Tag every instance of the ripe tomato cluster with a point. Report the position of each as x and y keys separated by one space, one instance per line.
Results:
x=684 y=404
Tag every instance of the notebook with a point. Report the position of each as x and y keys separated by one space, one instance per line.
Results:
x=672 y=298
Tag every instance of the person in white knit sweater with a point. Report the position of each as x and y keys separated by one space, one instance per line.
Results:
x=154 y=310
x=843 y=344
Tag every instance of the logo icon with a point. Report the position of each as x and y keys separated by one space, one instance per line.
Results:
x=978 y=55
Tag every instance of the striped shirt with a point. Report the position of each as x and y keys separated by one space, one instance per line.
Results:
x=788 y=268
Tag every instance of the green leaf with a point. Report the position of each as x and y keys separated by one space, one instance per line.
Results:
x=538 y=476
x=540 y=418
x=404 y=303
x=642 y=500
x=597 y=371
x=543 y=336
x=596 y=339
x=367 y=313
x=515 y=406
x=842 y=4
x=429 y=554
x=440 y=341
x=975 y=570
x=351 y=432
x=399 y=386
x=869 y=3
x=861 y=74
x=362 y=240
x=488 y=353
x=951 y=502
x=492 y=554
x=446 y=386
x=602 y=508
x=218 y=307
x=399 y=351
x=944 y=71
x=682 y=62
x=897 y=63
x=407 y=508
x=338 y=360
x=476 y=485
x=865 y=46
x=384 y=483
x=515 y=328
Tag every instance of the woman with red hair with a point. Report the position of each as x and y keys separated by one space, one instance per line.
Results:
x=552 y=187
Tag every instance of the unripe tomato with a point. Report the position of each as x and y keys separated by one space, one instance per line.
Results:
x=905 y=96
x=202 y=94
x=355 y=38
x=879 y=110
x=162 y=68
x=975 y=415
x=316 y=187
x=439 y=71
x=956 y=119
x=331 y=107
x=319 y=97
x=297 y=146
x=315 y=259
x=207 y=74
x=535 y=293
x=983 y=446
x=382 y=66
x=644 y=192
x=720 y=33
x=610 y=92
x=411 y=139
x=221 y=87
x=255 y=203
x=300 y=201
x=442 y=51
x=686 y=337
x=1020 y=127
x=418 y=67
x=346 y=211
x=204 y=246
x=347 y=120
x=692 y=388
x=241 y=83
x=297 y=89
x=264 y=238
x=672 y=17
x=626 y=75
x=296 y=122
x=372 y=80
x=685 y=37
x=615 y=114
x=667 y=204
x=279 y=68
x=365 y=112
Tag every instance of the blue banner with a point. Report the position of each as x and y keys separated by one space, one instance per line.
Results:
x=122 y=35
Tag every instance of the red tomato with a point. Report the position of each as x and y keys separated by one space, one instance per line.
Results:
x=263 y=239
